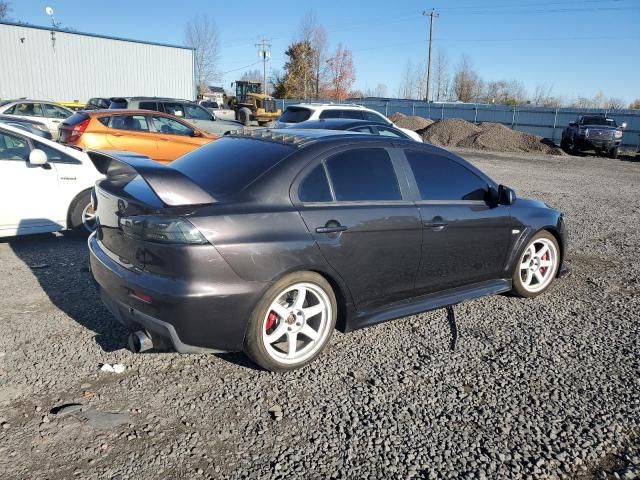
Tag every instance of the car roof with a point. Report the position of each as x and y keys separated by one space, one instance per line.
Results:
x=127 y=111
x=330 y=106
x=296 y=137
x=336 y=123
x=128 y=99
x=80 y=155
x=31 y=100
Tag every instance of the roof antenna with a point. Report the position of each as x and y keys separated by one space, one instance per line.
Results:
x=49 y=11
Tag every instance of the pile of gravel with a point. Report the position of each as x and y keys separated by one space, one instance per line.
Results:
x=413 y=122
x=453 y=132
x=394 y=117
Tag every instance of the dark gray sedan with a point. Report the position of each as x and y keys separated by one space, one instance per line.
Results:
x=266 y=242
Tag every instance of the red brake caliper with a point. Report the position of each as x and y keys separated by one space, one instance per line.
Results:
x=544 y=257
x=271 y=321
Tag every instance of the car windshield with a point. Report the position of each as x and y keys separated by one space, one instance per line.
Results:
x=295 y=115
x=598 y=120
x=230 y=164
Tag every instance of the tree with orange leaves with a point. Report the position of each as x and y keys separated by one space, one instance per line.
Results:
x=341 y=73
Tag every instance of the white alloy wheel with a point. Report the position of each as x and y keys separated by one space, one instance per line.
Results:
x=538 y=265
x=89 y=218
x=297 y=323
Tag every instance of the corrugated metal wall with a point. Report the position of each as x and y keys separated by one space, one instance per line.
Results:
x=78 y=66
x=546 y=122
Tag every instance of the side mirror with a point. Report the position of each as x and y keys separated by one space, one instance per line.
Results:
x=38 y=157
x=506 y=195
x=624 y=125
x=195 y=133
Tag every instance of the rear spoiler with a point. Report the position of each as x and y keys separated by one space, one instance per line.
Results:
x=171 y=186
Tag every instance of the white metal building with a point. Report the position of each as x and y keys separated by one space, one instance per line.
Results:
x=50 y=64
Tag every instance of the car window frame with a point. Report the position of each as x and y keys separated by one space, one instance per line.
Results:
x=186 y=105
x=114 y=115
x=54 y=106
x=401 y=134
x=396 y=162
x=25 y=138
x=430 y=150
x=174 y=119
x=66 y=158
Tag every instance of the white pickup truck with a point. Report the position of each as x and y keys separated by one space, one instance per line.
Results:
x=218 y=110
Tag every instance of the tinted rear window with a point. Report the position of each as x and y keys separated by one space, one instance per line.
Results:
x=295 y=115
x=229 y=164
x=363 y=174
x=76 y=118
x=335 y=113
x=118 y=104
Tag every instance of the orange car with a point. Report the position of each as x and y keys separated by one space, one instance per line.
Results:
x=159 y=136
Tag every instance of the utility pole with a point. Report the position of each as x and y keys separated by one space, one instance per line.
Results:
x=432 y=14
x=264 y=50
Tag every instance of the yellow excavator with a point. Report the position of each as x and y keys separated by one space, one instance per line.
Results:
x=249 y=104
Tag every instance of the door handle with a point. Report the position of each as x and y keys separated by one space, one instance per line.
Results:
x=332 y=229
x=436 y=226
x=116 y=134
x=55 y=121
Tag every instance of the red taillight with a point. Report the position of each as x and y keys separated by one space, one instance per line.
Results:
x=78 y=129
x=143 y=297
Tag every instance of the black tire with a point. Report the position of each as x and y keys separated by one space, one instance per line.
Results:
x=76 y=213
x=244 y=116
x=564 y=144
x=518 y=286
x=254 y=345
x=613 y=153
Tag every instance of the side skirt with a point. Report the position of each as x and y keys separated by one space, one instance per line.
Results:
x=429 y=302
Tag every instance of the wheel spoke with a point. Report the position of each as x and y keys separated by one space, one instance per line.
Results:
x=542 y=251
x=277 y=333
x=538 y=276
x=302 y=294
x=527 y=278
x=292 y=339
x=311 y=312
x=309 y=332
x=546 y=263
x=281 y=310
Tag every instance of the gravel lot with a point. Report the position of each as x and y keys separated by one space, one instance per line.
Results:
x=543 y=388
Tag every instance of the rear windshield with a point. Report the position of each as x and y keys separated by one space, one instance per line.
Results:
x=295 y=115
x=230 y=164
x=75 y=118
x=119 y=103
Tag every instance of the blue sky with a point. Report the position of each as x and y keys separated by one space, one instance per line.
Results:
x=579 y=47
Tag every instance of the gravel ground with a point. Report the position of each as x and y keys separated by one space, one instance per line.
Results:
x=542 y=388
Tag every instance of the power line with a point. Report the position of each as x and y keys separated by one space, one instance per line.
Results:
x=241 y=68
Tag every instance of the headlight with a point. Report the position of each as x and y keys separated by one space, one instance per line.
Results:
x=586 y=133
x=618 y=134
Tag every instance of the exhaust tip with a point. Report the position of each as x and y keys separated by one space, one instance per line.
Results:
x=139 y=341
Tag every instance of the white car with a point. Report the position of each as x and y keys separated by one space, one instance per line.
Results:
x=49 y=113
x=318 y=111
x=44 y=186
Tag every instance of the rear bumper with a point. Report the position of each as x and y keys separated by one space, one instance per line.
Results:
x=192 y=316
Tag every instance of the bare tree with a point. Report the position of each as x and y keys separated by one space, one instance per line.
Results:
x=599 y=100
x=635 y=105
x=614 y=103
x=381 y=90
x=202 y=35
x=252 y=75
x=465 y=80
x=314 y=34
x=5 y=8
x=407 y=81
x=441 y=76
x=542 y=94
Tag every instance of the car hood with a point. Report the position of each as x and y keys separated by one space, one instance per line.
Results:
x=600 y=127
